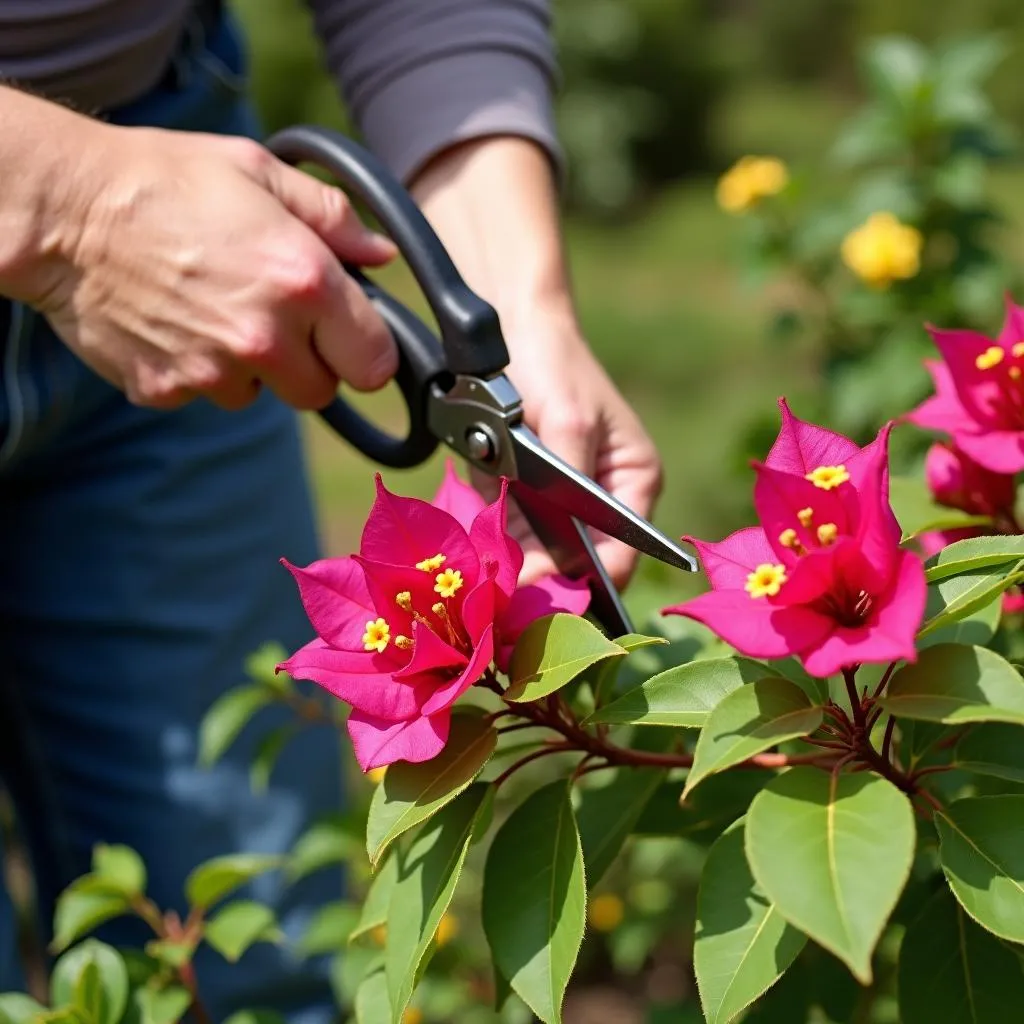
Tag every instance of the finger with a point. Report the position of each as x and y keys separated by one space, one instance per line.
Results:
x=327 y=210
x=292 y=368
x=351 y=338
x=637 y=488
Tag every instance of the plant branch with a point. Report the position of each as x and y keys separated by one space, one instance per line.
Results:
x=890 y=726
x=856 y=704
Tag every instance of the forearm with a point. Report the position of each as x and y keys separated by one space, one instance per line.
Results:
x=45 y=158
x=494 y=205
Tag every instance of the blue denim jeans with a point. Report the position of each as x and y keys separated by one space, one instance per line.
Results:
x=138 y=568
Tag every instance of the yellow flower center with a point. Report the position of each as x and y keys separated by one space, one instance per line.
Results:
x=827 y=477
x=447 y=583
x=827 y=533
x=377 y=635
x=432 y=564
x=991 y=357
x=805 y=515
x=766 y=580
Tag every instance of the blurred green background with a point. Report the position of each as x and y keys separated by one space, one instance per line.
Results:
x=658 y=98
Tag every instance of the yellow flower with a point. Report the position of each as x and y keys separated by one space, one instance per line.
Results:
x=447 y=929
x=748 y=181
x=605 y=912
x=412 y=1016
x=883 y=250
x=766 y=580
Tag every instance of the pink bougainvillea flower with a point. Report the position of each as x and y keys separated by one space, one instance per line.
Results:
x=957 y=481
x=979 y=393
x=405 y=627
x=824 y=577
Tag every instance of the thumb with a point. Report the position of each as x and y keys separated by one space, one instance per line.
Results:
x=327 y=211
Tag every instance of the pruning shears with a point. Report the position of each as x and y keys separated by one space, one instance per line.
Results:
x=456 y=389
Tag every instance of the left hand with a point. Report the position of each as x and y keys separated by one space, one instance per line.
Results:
x=576 y=410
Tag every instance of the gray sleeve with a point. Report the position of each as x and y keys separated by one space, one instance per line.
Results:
x=420 y=75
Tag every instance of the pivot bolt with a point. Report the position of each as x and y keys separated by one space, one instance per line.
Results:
x=479 y=444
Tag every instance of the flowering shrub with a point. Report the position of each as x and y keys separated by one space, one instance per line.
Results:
x=873 y=734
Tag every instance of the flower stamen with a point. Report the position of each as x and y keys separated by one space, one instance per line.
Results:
x=827 y=533
x=377 y=635
x=403 y=643
x=806 y=516
x=404 y=601
x=448 y=583
x=992 y=356
x=432 y=564
x=828 y=477
x=766 y=580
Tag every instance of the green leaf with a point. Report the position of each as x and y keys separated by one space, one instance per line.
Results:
x=411 y=793
x=533 y=899
x=325 y=843
x=604 y=676
x=955 y=684
x=79 y=912
x=238 y=925
x=162 y=1006
x=226 y=719
x=174 y=954
x=17 y=1008
x=553 y=651
x=683 y=696
x=995 y=552
x=378 y=897
x=952 y=971
x=749 y=720
x=958 y=597
x=372 y=1005
x=917 y=511
x=993 y=748
x=267 y=752
x=742 y=945
x=256 y=1017
x=91 y=977
x=982 y=855
x=428 y=873
x=977 y=626
x=329 y=928
x=832 y=853
x=120 y=867
x=607 y=814
x=261 y=667
x=214 y=879
x=896 y=67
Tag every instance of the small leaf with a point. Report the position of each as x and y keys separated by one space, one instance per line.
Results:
x=958 y=597
x=331 y=841
x=993 y=748
x=952 y=971
x=743 y=945
x=896 y=67
x=411 y=793
x=954 y=684
x=607 y=814
x=553 y=651
x=238 y=925
x=261 y=667
x=267 y=752
x=17 y=1008
x=329 y=928
x=533 y=899
x=226 y=719
x=428 y=873
x=683 y=696
x=173 y=954
x=214 y=879
x=120 y=867
x=80 y=912
x=162 y=1006
x=832 y=853
x=372 y=1005
x=378 y=897
x=749 y=720
x=995 y=552
x=976 y=627
x=982 y=855
x=91 y=977
x=604 y=676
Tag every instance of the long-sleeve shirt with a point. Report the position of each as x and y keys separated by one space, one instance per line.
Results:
x=417 y=75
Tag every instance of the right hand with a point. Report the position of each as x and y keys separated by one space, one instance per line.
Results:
x=202 y=265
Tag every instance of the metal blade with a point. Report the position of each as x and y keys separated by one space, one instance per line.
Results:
x=577 y=495
x=568 y=542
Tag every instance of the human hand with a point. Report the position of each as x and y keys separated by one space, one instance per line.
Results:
x=205 y=266
x=576 y=410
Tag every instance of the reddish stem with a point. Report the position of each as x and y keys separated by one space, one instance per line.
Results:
x=850 y=678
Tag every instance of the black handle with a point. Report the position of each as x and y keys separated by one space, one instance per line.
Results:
x=469 y=327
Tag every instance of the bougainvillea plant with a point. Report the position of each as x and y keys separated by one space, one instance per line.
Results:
x=851 y=682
